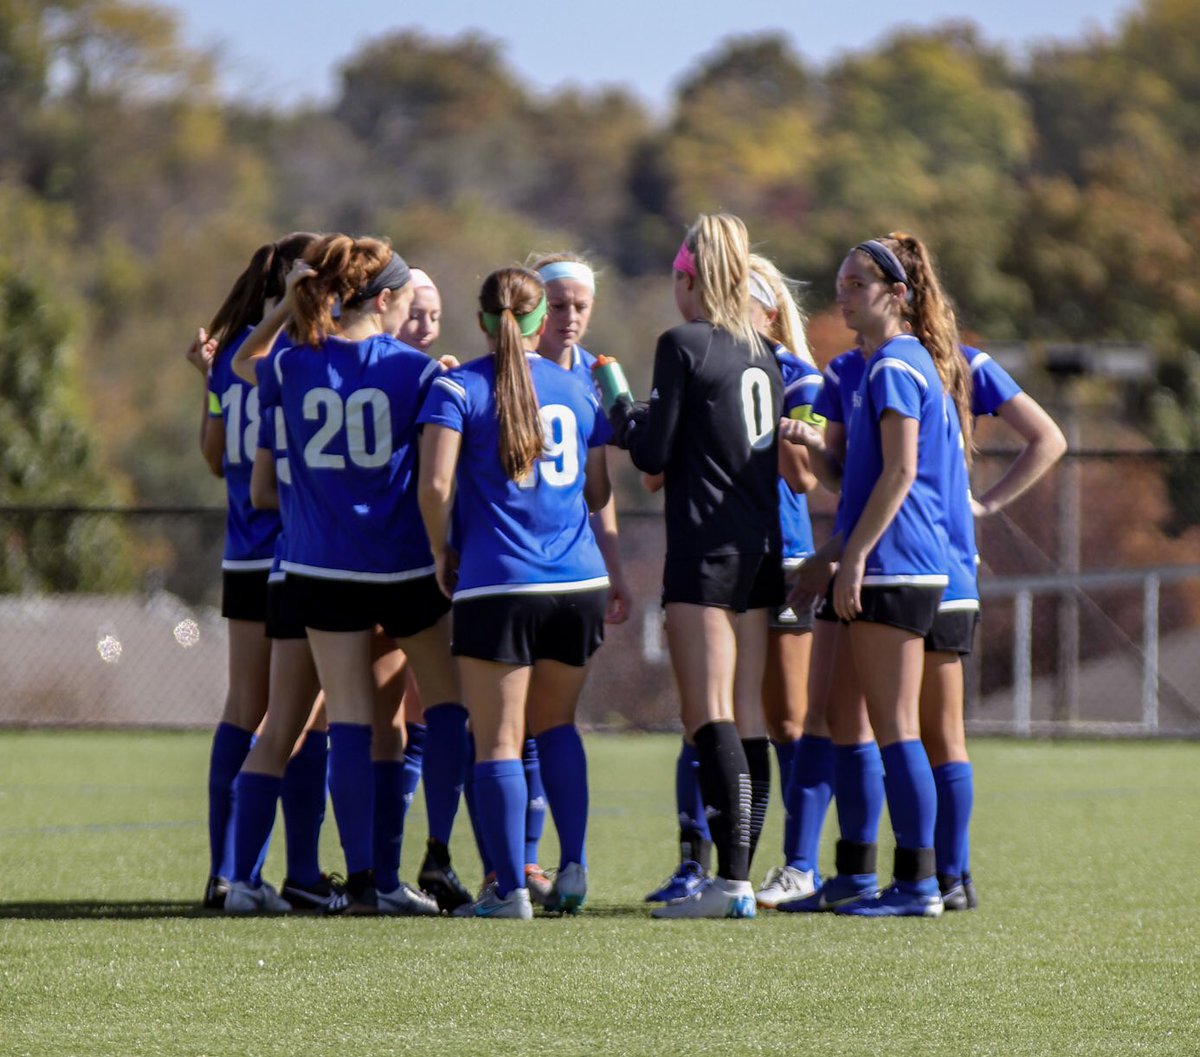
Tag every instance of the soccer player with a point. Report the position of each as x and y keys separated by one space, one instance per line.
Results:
x=523 y=439
x=710 y=428
x=356 y=555
x=893 y=560
x=229 y=439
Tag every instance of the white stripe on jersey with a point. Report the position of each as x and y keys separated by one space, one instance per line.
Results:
x=531 y=589
x=979 y=361
x=242 y=565
x=452 y=386
x=891 y=362
x=353 y=574
x=958 y=605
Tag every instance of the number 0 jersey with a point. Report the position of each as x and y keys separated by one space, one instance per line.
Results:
x=711 y=430
x=249 y=534
x=533 y=535
x=350 y=412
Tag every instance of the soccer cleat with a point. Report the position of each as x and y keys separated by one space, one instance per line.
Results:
x=839 y=890
x=541 y=888
x=437 y=877
x=784 y=883
x=515 y=905
x=969 y=888
x=361 y=898
x=901 y=899
x=407 y=902
x=718 y=898
x=954 y=893
x=327 y=896
x=570 y=889
x=214 y=893
x=243 y=898
x=687 y=879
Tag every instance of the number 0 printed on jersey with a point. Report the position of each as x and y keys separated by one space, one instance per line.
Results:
x=366 y=417
x=559 y=465
x=757 y=410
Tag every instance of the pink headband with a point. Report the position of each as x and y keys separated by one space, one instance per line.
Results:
x=684 y=261
x=421 y=279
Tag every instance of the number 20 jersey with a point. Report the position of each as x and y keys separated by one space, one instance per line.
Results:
x=533 y=535
x=350 y=411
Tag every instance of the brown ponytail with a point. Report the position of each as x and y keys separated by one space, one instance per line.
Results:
x=931 y=316
x=342 y=266
x=508 y=293
x=261 y=282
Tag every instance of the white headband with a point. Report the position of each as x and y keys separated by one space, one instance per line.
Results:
x=568 y=270
x=761 y=292
x=421 y=279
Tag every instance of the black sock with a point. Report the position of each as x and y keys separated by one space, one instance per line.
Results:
x=758 y=757
x=695 y=847
x=725 y=787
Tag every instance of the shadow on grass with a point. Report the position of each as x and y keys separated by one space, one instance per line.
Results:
x=103 y=910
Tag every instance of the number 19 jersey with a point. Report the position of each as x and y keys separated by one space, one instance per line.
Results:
x=350 y=411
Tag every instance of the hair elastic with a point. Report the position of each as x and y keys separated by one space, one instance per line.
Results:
x=684 y=260
x=529 y=322
x=762 y=293
x=568 y=270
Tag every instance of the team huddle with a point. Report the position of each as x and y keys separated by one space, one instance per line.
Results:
x=421 y=557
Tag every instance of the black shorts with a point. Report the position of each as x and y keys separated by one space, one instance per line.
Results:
x=824 y=609
x=731 y=581
x=283 y=622
x=520 y=628
x=244 y=594
x=953 y=631
x=903 y=606
x=402 y=608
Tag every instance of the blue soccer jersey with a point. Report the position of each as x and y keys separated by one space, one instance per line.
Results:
x=249 y=534
x=581 y=366
x=991 y=388
x=801 y=388
x=350 y=415
x=901 y=377
x=840 y=383
x=527 y=536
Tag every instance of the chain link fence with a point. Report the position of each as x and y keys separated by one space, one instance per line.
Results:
x=111 y=617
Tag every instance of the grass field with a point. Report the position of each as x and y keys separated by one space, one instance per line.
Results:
x=1087 y=940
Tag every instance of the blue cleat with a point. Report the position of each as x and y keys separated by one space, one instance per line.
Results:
x=901 y=899
x=687 y=879
x=836 y=892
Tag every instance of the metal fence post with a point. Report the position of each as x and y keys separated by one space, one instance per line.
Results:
x=1150 y=593
x=1022 y=662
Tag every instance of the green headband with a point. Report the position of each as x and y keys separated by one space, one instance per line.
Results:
x=528 y=323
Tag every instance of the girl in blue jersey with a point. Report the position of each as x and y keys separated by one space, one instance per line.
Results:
x=894 y=560
x=710 y=428
x=523 y=441
x=229 y=439
x=355 y=553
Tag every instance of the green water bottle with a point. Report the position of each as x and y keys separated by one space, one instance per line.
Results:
x=611 y=382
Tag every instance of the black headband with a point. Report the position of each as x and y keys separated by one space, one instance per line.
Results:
x=888 y=262
x=392 y=276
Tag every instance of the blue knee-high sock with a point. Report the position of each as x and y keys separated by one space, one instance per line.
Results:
x=352 y=789
x=230 y=746
x=535 y=813
x=955 y=783
x=911 y=794
x=305 y=791
x=473 y=808
x=500 y=799
x=255 y=800
x=858 y=788
x=415 y=735
x=689 y=804
x=444 y=766
x=808 y=794
x=785 y=754
x=389 y=822
x=564 y=770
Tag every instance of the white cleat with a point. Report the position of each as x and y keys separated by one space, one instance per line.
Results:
x=719 y=898
x=784 y=883
x=570 y=889
x=515 y=905
x=243 y=898
x=407 y=902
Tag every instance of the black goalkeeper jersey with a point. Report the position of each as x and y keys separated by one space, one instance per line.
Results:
x=711 y=429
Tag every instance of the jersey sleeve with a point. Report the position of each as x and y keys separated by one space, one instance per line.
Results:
x=651 y=443
x=446 y=402
x=991 y=385
x=828 y=401
x=214 y=398
x=601 y=429
x=801 y=391
x=896 y=385
x=268 y=401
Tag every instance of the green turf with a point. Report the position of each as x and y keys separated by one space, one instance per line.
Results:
x=1087 y=942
